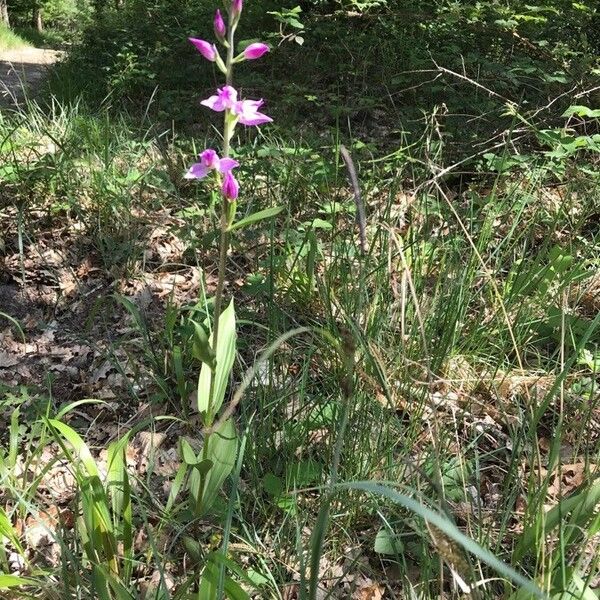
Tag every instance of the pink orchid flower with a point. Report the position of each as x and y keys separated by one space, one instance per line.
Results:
x=247 y=112
x=224 y=99
x=254 y=51
x=208 y=50
x=230 y=188
x=209 y=161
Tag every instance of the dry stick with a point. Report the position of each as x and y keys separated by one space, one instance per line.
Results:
x=360 y=207
x=475 y=83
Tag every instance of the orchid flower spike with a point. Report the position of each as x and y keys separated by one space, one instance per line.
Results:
x=210 y=161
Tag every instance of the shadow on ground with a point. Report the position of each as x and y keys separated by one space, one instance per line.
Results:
x=22 y=71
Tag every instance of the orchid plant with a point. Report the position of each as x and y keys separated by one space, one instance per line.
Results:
x=208 y=470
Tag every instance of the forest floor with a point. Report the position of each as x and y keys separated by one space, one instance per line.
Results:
x=23 y=70
x=476 y=311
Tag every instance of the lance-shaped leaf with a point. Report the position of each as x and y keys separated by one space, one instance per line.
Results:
x=222 y=450
x=268 y=213
x=225 y=353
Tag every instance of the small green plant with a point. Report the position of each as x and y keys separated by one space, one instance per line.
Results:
x=290 y=25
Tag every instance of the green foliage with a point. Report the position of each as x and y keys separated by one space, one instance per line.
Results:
x=9 y=40
x=479 y=168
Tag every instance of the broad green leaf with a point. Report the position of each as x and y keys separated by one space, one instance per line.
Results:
x=202 y=349
x=268 y=213
x=193 y=548
x=210 y=580
x=222 y=450
x=188 y=453
x=117 y=482
x=176 y=486
x=73 y=405
x=387 y=543
x=100 y=541
x=218 y=558
x=273 y=485
x=120 y=592
x=115 y=478
x=449 y=528
x=7 y=531
x=582 y=111
x=233 y=590
x=576 y=588
x=225 y=357
x=257 y=578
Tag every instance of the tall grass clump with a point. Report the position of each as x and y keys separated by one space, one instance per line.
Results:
x=9 y=40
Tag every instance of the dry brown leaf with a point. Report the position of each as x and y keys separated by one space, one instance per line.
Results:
x=368 y=590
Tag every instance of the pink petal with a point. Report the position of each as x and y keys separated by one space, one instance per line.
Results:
x=226 y=97
x=256 y=119
x=210 y=159
x=214 y=102
x=197 y=171
x=248 y=113
x=226 y=164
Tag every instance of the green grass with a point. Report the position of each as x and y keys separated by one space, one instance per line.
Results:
x=459 y=300
x=9 y=40
x=446 y=381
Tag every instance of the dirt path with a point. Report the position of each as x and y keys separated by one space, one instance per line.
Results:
x=21 y=72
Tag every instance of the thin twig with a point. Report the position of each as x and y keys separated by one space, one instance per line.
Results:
x=360 y=207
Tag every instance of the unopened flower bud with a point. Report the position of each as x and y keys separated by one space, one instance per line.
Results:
x=230 y=188
x=236 y=8
x=254 y=51
x=219 y=25
x=208 y=50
